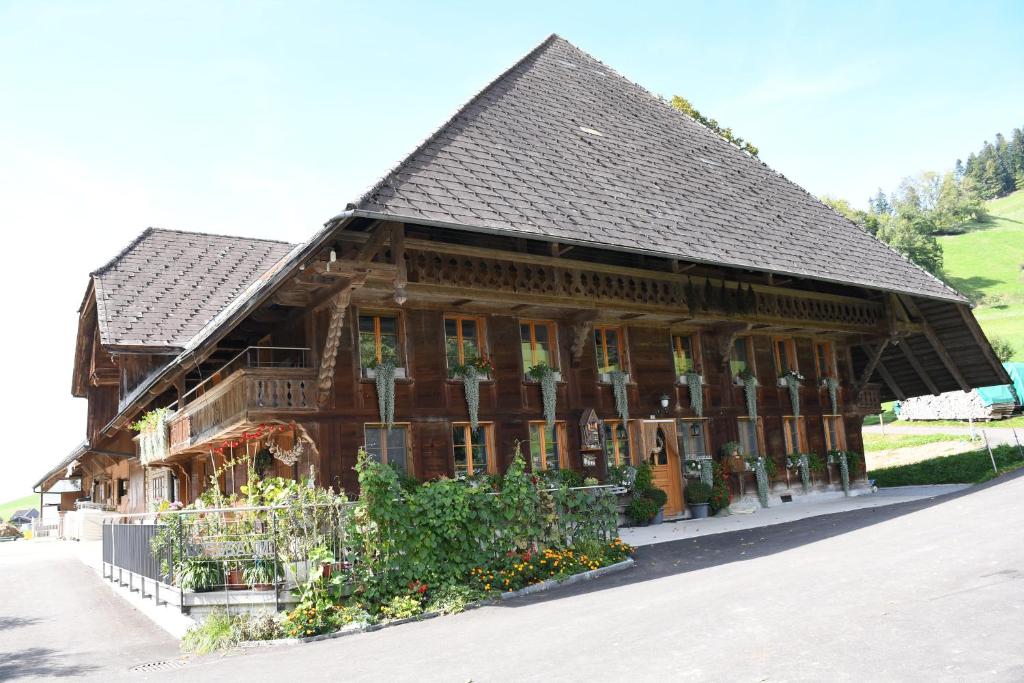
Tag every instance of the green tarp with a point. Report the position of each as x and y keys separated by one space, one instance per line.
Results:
x=1006 y=393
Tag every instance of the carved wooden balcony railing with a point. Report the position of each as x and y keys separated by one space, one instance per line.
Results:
x=248 y=394
x=541 y=280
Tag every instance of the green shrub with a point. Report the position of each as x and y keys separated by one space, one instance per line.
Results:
x=642 y=509
x=258 y=627
x=452 y=599
x=311 y=620
x=698 y=493
x=719 y=489
x=570 y=478
x=658 y=496
x=401 y=607
x=644 y=477
x=964 y=468
x=215 y=632
x=353 y=614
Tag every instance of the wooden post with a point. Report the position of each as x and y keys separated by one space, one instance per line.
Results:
x=1019 y=448
x=881 y=421
x=991 y=457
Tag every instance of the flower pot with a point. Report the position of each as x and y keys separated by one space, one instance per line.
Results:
x=606 y=378
x=698 y=510
x=660 y=517
x=235 y=580
x=371 y=373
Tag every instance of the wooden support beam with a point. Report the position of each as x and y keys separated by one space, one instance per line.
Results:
x=581 y=325
x=908 y=353
x=727 y=333
x=373 y=245
x=874 y=358
x=937 y=345
x=329 y=359
x=883 y=372
x=979 y=336
x=398 y=256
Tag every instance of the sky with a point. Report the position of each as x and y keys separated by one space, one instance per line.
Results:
x=266 y=118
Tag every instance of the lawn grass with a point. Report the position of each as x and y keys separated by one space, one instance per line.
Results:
x=7 y=509
x=986 y=264
x=885 y=442
x=966 y=468
x=1013 y=422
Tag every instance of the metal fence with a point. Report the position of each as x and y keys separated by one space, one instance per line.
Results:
x=225 y=550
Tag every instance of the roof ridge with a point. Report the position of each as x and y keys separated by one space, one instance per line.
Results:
x=454 y=117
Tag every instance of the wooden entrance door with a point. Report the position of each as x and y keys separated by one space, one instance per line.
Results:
x=661 y=450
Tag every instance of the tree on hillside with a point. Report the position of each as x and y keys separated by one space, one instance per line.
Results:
x=1004 y=349
x=912 y=233
x=684 y=105
x=997 y=169
x=867 y=220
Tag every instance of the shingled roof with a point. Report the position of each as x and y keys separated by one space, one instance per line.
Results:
x=562 y=147
x=167 y=284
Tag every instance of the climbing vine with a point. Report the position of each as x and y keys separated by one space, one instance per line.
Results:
x=545 y=374
x=619 y=381
x=385 y=381
x=695 y=384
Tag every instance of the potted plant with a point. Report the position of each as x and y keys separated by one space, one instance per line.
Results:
x=652 y=499
x=642 y=510
x=260 y=574
x=199 y=574
x=698 y=495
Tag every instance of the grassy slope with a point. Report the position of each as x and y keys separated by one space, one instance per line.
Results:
x=965 y=468
x=7 y=509
x=880 y=442
x=987 y=261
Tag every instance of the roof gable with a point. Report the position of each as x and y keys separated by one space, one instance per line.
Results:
x=561 y=147
x=167 y=284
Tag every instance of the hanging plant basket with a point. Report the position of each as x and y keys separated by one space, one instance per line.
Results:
x=384 y=378
x=831 y=384
x=750 y=384
x=695 y=385
x=471 y=373
x=548 y=379
x=792 y=380
x=620 y=380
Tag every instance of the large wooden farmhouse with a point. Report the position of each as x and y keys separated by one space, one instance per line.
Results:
x=564 y=221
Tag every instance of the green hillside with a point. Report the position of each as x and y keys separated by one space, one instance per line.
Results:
x=7 y=509
x=987 y=264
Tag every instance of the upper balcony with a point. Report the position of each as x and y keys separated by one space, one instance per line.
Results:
x=260 y=384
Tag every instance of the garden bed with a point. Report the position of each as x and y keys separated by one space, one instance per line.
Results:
x=353 y=629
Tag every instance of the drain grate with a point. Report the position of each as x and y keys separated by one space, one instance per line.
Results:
x=166 y=665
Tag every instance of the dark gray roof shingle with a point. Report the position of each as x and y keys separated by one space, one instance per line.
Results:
x=167 y=284
x=561 y=147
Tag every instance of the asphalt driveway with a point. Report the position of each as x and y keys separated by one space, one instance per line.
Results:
x=929 y=590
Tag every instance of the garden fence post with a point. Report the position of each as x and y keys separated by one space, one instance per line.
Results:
x=1020 y=449
x=991 y=457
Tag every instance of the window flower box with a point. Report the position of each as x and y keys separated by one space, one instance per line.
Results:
x=606 y=378
x=681 y=381
x=556 y=373
x=371 y=373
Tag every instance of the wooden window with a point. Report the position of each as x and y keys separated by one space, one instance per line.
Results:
x=751 y=436
x=608 y=342
x=547 y=446
x=122 y=489
x=835 y=432
x=741 y=357
x=785 y=355
x=795 y=432
x=616 y=443
x=463 y=340
x=379 y=340
x=684 y=350
x=538 y=344
x=390 y=447
x=825 y=359
x=473 y=450
x=693 y=438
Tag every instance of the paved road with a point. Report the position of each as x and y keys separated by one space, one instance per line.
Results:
x=929 y=590
x=57 y=619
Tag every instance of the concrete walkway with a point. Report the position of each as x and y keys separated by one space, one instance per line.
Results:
x=803 y=507
x=57 y=619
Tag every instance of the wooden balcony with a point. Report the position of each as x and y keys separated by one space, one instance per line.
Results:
x=248 y=395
